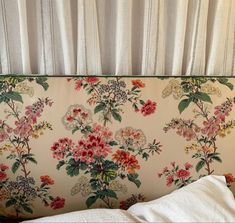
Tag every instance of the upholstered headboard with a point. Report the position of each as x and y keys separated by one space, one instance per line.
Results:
x=71 y=143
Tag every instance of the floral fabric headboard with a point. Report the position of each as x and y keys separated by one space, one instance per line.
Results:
x=72 y=143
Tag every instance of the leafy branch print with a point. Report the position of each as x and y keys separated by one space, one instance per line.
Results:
x=197 y=92
x=20 y=193
x=109 y=98
x=105 y=158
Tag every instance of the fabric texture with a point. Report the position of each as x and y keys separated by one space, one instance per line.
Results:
x=123 y=37
x=206 y=200
x=69 y=144
x=94 y=215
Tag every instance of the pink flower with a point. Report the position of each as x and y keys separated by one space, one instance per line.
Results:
x=57 y=203
x=4 y=131
x=87 y=149
x=62 y=147
x=3 y=167
x=78 y=85
x=211 y=127
x=34 y=111
x=148 y=108
x=103 y=132
x=92 y=80
x=185 y=128
x=169 y=180
x=3 y=176
x=23 y=127
x=3 y=135
x=188 y=166
x=223 y=110
x=182 y=174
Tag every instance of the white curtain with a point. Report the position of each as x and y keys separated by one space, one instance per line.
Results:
x=119 y=37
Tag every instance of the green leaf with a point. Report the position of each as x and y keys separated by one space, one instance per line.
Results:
x=113 y=143
x=133 y=178
x=42 y=81
x=142 y=102
x=31 y=159
x=75 y=129
x=217 y=158
x=27 y=208
x=15 y=166
x=199 y=165
x=116 y=116
x=183 y=105
x=145 y=156
x=13 y=95
x=225 y=82
x=60 y=164
x=1 y=99
x=99 y=107
x=108 y=193
x=74 y=167
x=10 y=202
x=91 y=200
x=202 y=96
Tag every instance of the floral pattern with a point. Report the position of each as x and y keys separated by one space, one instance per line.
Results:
x=105 y=157
x=20 y=193
x=110 y=97
x=204 y=130
x=109 y=141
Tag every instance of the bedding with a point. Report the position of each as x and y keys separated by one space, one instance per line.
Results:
x=206 y=200
x=94 y=215
x=70 y=143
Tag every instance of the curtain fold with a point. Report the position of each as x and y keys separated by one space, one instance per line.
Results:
x=118 y=37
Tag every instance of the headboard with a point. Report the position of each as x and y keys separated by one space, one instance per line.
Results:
x=72 y=143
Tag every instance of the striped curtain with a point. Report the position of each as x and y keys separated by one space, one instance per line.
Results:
x=119 y=37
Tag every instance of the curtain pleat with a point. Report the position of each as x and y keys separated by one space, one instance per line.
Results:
x=89 y=57
x=119 y=37
x=67 y=43
x=123 y=44
x=24 y=40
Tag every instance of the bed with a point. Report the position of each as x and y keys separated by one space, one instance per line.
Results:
x=70 y=143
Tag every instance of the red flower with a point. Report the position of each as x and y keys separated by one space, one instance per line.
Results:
x=148 y=108
x=3 y=167
x=78 y=85
x=169 y=180
x=127 y=160
x=229 y=178
x=138 y=83
x=57 y=203
x=3 y=176
x=182 y=173
x=92 y=80
x=47 y=180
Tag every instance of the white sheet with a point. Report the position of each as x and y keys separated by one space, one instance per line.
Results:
x=93 y=215
x=206 y=200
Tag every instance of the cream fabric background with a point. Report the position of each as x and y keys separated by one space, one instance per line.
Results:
x=131 y=37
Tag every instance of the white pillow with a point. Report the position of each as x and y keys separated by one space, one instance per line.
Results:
x=93 y=215
x=206 y=200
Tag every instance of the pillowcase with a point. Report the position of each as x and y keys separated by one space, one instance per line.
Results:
x=206 y=200
x=93 y=215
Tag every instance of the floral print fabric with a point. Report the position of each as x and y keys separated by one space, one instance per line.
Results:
x=74 y=143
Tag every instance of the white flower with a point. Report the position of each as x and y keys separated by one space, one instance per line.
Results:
x=23 y=88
